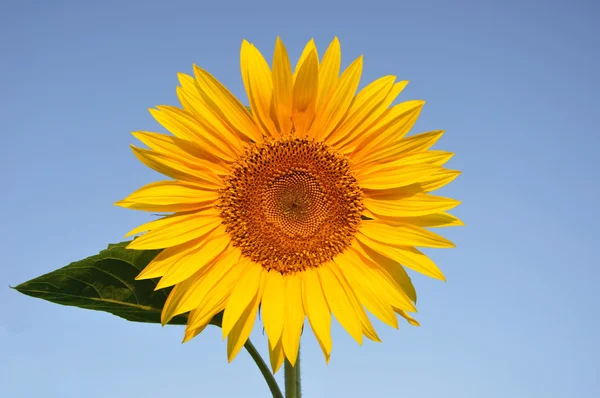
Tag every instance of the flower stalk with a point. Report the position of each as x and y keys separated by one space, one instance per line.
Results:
x=264 y=369
x=292 y=379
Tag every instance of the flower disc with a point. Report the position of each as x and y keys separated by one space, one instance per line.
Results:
x=290 y=204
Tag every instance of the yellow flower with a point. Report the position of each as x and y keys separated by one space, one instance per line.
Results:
x=308 y=205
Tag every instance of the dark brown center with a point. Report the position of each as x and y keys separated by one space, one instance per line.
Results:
x=291 y=204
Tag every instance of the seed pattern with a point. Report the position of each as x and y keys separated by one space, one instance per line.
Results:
x=291 y=204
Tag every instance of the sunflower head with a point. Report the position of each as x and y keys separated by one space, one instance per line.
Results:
x=308 y=205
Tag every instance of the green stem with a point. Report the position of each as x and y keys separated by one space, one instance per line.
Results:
x=264 y=369
x=292 y=379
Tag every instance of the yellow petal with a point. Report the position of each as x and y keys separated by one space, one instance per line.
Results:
x=188 y=294
x=394 y=193
x=273 y=306
x=282 y=87
x=368 y=329
x=213 y=132
x=348 y=141
x=169 y=196
x=167 y=259
x=306 y=86
x=214 y=244
x=203 y=127
x=189 y=94
x=179 y=230
x=437 y=220
x=395 y=150
x=339 y=303
x=390 y=287
x=408 y=318
x=403 y=235
x=391 y=269
x=259 y=87
x=203 y=315
x=293 y=317
x=337 y=105
x=200 y=317
x=329 y=71
x=157 y=223
x=242 y=294
x=188 y=152
x=366 y=101
x=276 y=356
x=308 y=49
x=206 y=115
x=366 y=290
x=187 y=131
x=176 y=169
x=435 y=158
x=411 y=206
x=407 y=256
x=241 y=331
x=394 y=125
x=366 y=326
x=393 y=178
x=227 y=105
x=438 y=179
x=317 y=310
x=191 y=333
x=168 y=311
x=217 y=297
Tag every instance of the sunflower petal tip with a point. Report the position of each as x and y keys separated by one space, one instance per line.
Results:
x=187 y=337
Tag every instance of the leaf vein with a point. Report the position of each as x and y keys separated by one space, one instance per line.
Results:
x=128 y=286
x=86 y=283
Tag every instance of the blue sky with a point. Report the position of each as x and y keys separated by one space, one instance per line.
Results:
x=513 y=83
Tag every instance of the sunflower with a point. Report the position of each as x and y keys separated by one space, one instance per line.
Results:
x=308 y=205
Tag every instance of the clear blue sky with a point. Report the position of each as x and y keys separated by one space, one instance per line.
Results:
x=515 y=85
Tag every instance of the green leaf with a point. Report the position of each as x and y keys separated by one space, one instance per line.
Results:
x=106 y=282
